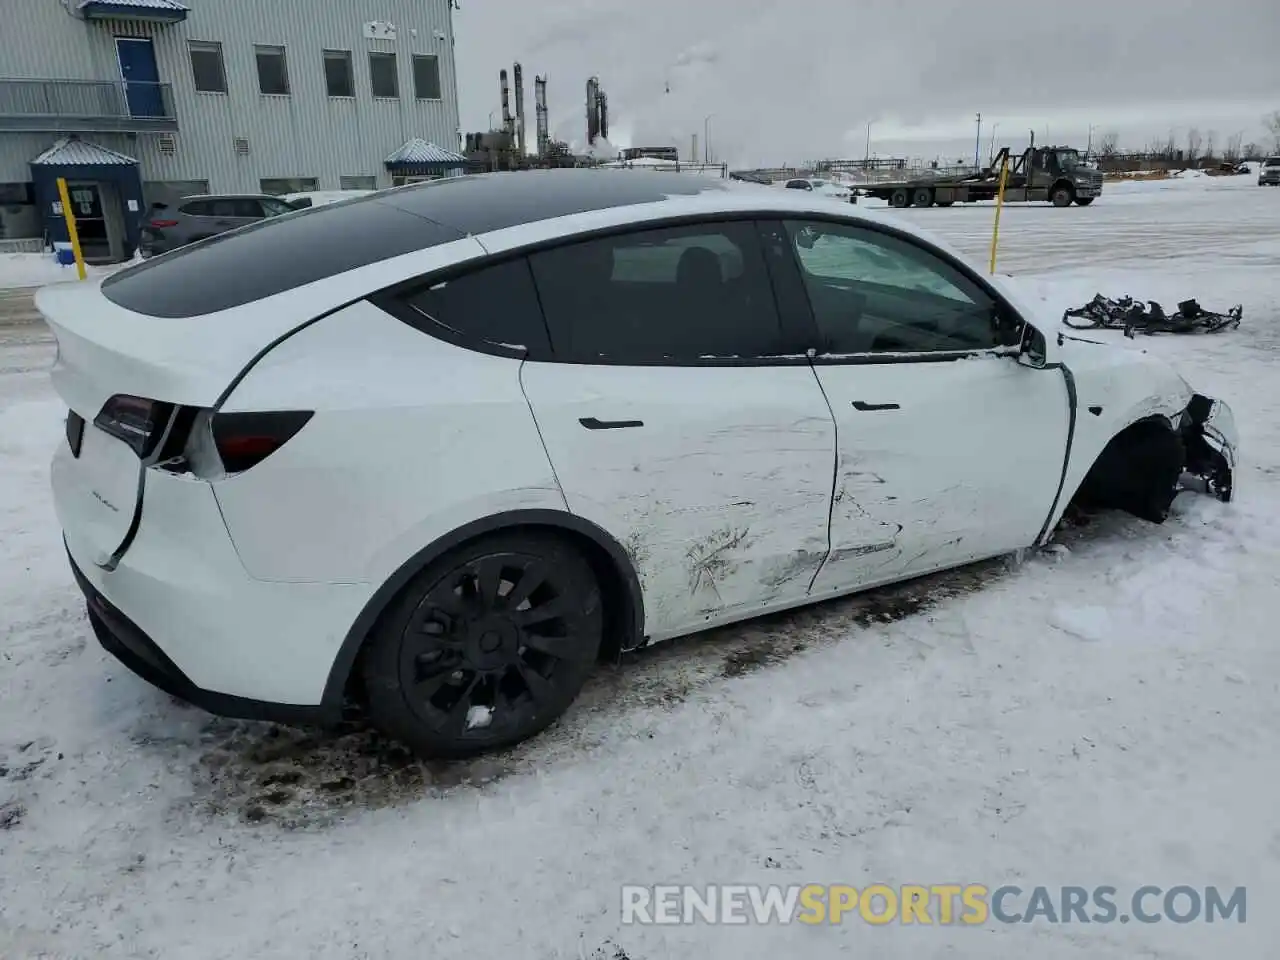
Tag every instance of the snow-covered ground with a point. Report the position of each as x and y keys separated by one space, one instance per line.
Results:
x=38 y=269
x=1105 y=712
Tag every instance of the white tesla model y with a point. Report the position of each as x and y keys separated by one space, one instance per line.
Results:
x=434 y=451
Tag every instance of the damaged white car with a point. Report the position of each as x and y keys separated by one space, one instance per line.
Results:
x=433 y=452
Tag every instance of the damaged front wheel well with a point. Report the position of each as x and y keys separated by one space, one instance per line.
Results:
x=1137 y=471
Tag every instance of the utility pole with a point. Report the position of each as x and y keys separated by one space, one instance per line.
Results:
x=866 y=159
x=1089 y=149
x=706 y=139
x=977 y=143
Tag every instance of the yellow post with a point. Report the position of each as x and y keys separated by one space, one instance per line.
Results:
x=71 y=225
x=995 y=233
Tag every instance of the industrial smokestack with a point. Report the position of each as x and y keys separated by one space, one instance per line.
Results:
x=540 y=114
x=506 y=102
x=519 y=78
x=593 y=109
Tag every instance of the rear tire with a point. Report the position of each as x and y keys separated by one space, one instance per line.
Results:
x=899 y=197
x=486 y=647
x=923 y=197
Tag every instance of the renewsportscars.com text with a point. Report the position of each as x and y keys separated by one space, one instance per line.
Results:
x=942 y=904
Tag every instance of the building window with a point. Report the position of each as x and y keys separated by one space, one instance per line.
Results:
x=403 y=180
x=273 y=73
x=170 y=191
x=206 y=67
x=279 y=186
x=357 y=183
x=426 y=78
x=339 y=78
x=383 y=81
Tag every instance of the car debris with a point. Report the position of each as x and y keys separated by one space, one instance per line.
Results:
x=1133 y=316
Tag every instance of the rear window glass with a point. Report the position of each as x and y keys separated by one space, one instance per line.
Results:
x=272 y=256
x=674 y=294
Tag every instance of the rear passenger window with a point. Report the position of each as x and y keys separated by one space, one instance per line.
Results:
x=495 y=304
x=677 y=294
x=197 y=208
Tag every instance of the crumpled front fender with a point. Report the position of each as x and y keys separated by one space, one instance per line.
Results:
x=1212 y=443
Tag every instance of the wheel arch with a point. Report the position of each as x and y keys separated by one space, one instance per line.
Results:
x=1063 y=182
x=1123 y=442
x=619 y=583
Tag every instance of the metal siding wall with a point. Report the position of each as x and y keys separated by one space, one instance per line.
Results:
x=306 y=134
x=40 y=39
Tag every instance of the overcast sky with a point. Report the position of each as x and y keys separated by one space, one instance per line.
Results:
x=787 y=82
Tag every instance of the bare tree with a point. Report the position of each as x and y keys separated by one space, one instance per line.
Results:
x=1107 y=145
x=1208 y=144
x=1272 y=122
x=1232 y=150
x=1194 y=142
x=1251 y=151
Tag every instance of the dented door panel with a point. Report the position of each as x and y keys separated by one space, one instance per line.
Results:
x=716 y=480
x=939 y=463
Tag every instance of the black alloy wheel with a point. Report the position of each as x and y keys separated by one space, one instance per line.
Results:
x=485 y=648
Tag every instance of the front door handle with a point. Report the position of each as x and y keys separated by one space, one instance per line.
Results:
x=860 y=405
x=591 y=423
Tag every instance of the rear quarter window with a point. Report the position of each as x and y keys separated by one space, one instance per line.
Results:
x=272 y=256
x=491 y=306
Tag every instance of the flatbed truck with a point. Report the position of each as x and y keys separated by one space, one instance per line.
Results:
x=1053 y=174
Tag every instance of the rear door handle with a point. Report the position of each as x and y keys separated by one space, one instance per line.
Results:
x=860 y=405
x=591 y=423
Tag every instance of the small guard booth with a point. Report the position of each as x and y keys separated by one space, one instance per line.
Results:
x=106 y=197
x=418 y=160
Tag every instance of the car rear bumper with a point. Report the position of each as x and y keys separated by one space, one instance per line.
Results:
x=126 y=641
x=180 y=610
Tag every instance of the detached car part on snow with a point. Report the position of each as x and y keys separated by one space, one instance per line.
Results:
x=1132 y=316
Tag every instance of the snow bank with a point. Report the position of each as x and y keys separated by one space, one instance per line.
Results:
x=37 y=269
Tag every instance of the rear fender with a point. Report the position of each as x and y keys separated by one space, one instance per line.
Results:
x=411 y=437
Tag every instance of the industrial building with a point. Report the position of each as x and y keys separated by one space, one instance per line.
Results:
x=137 y=100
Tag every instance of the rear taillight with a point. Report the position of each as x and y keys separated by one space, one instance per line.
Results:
x=244 y=440
x=161 y=224
x=137 y=421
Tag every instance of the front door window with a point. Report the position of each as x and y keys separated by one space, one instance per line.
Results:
x=873 y=293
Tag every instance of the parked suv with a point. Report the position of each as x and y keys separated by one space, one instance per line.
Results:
x=1269 y=172
x=825 y=188
x=170 y=226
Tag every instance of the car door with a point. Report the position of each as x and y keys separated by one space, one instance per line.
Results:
x=949 y=449
x=681 y=418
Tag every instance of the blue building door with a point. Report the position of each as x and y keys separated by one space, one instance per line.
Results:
x=141 y=76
